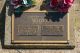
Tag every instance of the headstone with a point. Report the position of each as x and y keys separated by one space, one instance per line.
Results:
x=37 y=28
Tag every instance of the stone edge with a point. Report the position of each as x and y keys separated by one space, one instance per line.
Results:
x=7 y=39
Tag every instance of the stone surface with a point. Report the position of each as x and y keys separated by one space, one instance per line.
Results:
x=75 y=11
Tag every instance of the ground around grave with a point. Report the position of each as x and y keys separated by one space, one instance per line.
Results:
x=74 y=12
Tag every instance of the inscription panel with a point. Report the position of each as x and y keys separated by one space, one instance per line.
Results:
x=37 y=24
x=39 y=30
x=40 y=26
x=52 y=30
x=27 y=30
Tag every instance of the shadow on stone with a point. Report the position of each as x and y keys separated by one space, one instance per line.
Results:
x=19 y=11
x=2 y=25
x=55 y=16
x=52 y=13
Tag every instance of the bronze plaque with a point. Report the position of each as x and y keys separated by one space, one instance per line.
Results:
x=40 y=27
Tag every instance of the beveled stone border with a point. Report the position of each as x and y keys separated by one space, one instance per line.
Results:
x=8 y=32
